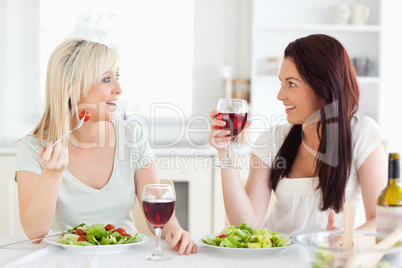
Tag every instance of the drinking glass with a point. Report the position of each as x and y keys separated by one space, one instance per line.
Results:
x=234 y=113
x=158 y=202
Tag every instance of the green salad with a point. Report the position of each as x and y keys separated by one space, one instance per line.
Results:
x=244 y=236
x=97 y=234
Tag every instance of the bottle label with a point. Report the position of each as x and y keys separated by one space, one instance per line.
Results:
x=388 y=218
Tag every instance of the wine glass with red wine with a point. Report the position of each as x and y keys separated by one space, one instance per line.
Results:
x=234 y=113
x=158 y=202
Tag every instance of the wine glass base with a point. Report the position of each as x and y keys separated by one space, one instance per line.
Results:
x=158 y=257
x=226 y=165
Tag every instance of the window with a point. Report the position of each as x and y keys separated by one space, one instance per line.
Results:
x=154 y=39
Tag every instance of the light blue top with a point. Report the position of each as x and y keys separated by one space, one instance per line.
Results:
x=79 y=203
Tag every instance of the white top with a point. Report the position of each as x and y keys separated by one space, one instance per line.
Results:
x=296 y=208
x=79 y=203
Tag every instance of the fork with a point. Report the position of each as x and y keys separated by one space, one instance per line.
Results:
x=36 y=239
x=77 y=127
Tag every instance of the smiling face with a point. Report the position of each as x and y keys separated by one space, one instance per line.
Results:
x=299 y=99
x=101 y=99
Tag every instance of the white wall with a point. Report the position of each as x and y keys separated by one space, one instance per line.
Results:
x=391 y=88
x=1 y=64
x=221 y=37
x=20 y=78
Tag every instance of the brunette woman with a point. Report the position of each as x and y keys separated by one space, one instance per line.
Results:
x=326 y=155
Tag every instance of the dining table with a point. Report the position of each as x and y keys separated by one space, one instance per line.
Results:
x=46 y=254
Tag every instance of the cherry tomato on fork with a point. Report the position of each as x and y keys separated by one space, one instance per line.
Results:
x=87 y=116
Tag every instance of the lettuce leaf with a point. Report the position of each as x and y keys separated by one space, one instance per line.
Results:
x=76 y=227
x=72 y=239
x=95 y=234
x=69 y=239
x=210 y=241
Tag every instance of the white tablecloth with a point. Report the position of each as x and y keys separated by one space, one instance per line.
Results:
x=44 y=255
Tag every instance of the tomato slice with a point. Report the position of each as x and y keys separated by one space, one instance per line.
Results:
x=109 y=227
x=79 y=231
x=120 y=231
x=87 y=116
x=82 y=238
x=222 y=236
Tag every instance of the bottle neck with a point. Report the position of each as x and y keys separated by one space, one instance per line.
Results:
x=393 y=170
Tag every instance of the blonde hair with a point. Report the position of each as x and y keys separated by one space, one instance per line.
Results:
x=73 y=67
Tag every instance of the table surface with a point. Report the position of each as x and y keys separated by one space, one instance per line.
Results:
x=46 y=255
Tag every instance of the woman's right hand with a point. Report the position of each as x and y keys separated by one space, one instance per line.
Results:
x=218 y=138
x=54 y=159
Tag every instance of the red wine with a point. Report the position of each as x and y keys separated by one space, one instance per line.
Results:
x=158 y=212
x=234 y=122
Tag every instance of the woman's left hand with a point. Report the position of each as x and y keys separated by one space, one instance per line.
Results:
x=331 y=225
x=180 y=241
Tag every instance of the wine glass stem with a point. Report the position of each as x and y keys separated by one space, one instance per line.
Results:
x=158 y=248
x=229 y=153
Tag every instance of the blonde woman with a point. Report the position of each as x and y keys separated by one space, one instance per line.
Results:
x=94 y=173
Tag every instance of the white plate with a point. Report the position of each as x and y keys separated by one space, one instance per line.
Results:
x=99 y=248
x=246 y=251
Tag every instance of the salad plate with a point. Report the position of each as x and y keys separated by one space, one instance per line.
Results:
x=245 y=251
x=97 y=248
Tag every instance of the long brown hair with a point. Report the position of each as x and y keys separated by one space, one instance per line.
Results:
x=325 y=66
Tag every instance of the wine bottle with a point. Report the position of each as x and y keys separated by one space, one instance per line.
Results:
x=389 y=203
